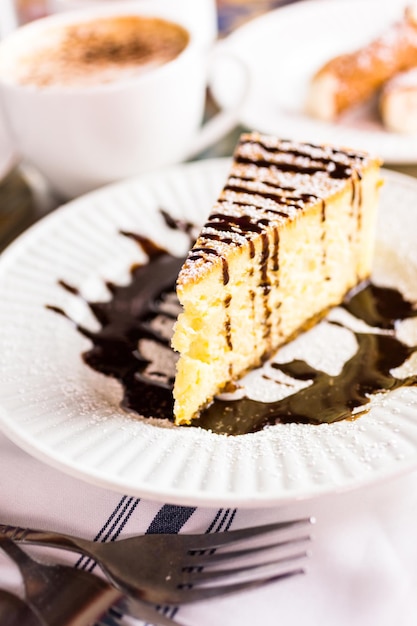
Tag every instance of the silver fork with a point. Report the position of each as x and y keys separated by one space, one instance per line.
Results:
x=16 y=612
x=64 y=596
x=172 y=569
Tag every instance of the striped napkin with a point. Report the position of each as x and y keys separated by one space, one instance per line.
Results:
x=362 y=570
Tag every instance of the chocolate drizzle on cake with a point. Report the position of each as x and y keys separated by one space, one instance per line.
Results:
x=261 y=192
x=275 y=251
x=323 y=235
x=309 y=159
x=133 y=346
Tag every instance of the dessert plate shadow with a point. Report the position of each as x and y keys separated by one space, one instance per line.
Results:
x=59 y=410
x=282 y=49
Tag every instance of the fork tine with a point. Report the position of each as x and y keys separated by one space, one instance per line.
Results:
x=208 y=558
x=184 y=596
x=115 y=618
x=197 y=577
x=145 y=612
x=216 y=540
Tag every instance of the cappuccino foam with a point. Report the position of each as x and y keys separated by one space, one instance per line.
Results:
x=94 y=52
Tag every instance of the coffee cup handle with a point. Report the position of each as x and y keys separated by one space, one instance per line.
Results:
x=9 y=156
x=227 y=119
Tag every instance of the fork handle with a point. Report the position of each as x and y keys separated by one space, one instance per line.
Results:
x=44 y=538
x=16 y=554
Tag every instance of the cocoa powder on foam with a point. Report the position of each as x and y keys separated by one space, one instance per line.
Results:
x=99 y=51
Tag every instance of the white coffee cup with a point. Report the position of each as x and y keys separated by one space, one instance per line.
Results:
x=81 y=138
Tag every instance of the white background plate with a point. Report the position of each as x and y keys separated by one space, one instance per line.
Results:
x=284 y=48
x=59 y=410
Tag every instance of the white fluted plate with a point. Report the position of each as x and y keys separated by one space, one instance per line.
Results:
x=59 y=410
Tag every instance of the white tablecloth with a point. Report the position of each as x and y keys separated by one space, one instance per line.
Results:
x=362 y=570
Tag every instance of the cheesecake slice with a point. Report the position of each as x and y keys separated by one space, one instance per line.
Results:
x=290 y=234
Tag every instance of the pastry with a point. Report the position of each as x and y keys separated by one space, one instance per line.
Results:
x=291 y=232
x=398 y=102
x=350 y=79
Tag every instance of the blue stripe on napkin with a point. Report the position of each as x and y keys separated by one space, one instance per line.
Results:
x=170 y=519
x=111 y=529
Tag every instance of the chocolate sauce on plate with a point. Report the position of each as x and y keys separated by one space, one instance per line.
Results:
x=133 y=346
